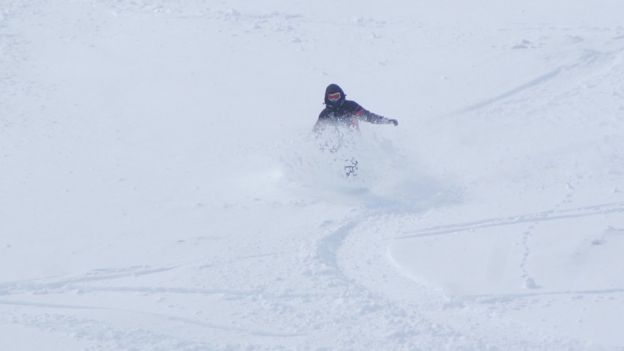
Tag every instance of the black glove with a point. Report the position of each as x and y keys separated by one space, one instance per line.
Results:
x=393 y=121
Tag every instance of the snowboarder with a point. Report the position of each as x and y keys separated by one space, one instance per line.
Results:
x=341 y=112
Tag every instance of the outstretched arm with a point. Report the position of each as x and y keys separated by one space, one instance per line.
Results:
x=370 y=117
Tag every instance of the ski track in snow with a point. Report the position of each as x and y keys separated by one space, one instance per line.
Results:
x=413 y=325
x=584 y=62
x=531 y=219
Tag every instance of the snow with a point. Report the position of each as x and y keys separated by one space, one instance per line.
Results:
x=160 y=188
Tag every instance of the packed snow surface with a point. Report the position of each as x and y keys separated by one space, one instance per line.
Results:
x=160 y=187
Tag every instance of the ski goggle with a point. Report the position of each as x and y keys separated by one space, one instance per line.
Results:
x=334 y=97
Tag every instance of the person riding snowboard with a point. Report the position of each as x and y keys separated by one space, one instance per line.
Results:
x=341 y=112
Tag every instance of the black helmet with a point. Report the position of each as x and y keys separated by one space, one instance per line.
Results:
x=334 y=96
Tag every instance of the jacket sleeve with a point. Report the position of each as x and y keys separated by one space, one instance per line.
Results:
x=370 y=117
x=320 y=123
x=318 y=127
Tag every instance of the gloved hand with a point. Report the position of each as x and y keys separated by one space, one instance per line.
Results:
x=393 y=121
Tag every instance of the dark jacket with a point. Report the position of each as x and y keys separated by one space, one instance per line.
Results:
x=348 y=114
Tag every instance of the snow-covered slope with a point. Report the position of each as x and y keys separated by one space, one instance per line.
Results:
x=160 y=189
